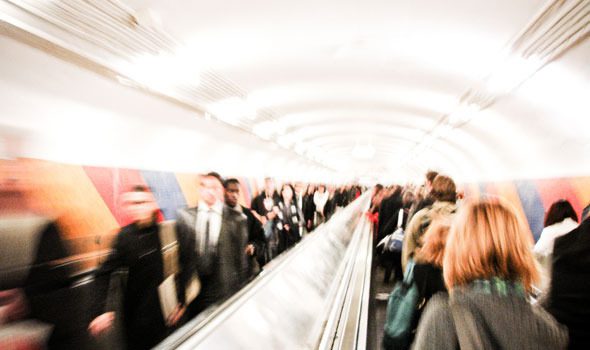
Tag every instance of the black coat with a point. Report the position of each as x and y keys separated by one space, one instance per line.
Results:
x=257 y=204
x=288 y=217
x=569 y=295
x=229 y=269
x=138 y=250
x=388 y=214
x=256 y=236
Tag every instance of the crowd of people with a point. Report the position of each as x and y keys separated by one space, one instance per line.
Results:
x=159 y=273
x=480 y=282
x=219 y=245
x=478 y=279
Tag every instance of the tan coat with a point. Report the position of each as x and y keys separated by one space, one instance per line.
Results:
x=418 y=225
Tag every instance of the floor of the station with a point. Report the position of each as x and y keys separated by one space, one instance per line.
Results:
x=377 y=308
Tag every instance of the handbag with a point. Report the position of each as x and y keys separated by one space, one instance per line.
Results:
x=394 y=242
x=402 y=308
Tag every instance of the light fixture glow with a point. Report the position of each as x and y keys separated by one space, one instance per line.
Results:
x=232 y=110
x=363 y=151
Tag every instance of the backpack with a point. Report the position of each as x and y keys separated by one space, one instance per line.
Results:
x=402 y=308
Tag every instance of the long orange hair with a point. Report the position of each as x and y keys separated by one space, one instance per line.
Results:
x=487 y=240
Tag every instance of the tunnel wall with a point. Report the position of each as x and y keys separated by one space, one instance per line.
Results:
x=532 y=198
x=86 y=200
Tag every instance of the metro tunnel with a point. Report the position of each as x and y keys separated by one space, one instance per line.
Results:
x=294 y=174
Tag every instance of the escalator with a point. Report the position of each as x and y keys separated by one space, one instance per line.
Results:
x=315 y=296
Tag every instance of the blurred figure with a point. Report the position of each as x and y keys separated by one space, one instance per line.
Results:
x=428 y=274
x=330 y=203
x=424 y=199
x=287 y=220
x=139 y=251
x=561 y=218
x=443 y=193
x=218 y=235
x=569 y=293
x=299 y=199
x=389 y=210
x=309 y=208
x=387 y=223
x=35 y=278
x=265 y=207
x=255 y=250
x=489 y=268
x=376 y=199
x=320 y=198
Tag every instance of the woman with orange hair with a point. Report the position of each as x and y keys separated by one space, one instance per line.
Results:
x=489 y=269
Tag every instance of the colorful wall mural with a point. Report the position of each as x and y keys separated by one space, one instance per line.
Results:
x=86 y=200
x=532 y=198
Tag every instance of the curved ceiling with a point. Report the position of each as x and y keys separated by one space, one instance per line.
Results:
x=482 y=90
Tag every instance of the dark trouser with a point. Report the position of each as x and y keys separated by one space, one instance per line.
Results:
x=392 y=262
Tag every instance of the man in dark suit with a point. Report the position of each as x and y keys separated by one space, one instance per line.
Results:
x=569 y=295
x=218 y=235
x=255 y=250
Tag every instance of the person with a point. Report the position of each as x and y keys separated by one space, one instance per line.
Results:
x=428 y=274
x=264 y=203
x=443 y=194
x=218 y=236
x=489 y=269
x=425 y=200
x=287 y=220
x=255 y=250
x=264 y=206
x=299 y=199
x=309 y=208
x=561 y=218
x=320 y=198
x=138 y=249
x=373 y=213
x=568 y=299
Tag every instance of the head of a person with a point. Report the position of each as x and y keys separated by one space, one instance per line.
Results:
x=487 y=240
x=298 y=188
x=269 y=186
x=232 y=191
x=377 y=189
x=407 y=198
x=559 y=211
x=443 y=189
x=430 y=176
x=435 y=239
x=139 y=204
x=321 y=188
x=310 y=189
x=287 y=192
x=211 y=189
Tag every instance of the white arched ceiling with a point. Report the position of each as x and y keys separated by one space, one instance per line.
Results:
x=321 y=77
